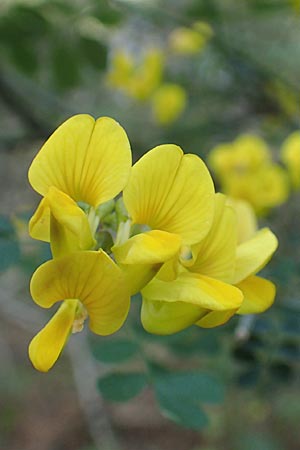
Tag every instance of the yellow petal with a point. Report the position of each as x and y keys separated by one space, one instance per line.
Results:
x=46 y=346
x=141 y=256
x=214 y=256
x=151 y=247
x=259 y=295
x=290 y=154
x=159 y=317
x=138 y=275
x=215 y=318
x=195 y=289
x=59 y=220
x=246 y=219
x=254 y=254
x=91 y=277
x=39 y=224
x=171 y=192
x=88 y=160
x=168 y=103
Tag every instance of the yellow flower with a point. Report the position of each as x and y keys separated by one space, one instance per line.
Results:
x=265 y=188
x=217 y=281
x=122 y=68
x=189 y=41
x=147 y=76
x=88 y=160
x=290 y=154
x=172 y=195
x=247 y=153
x=168 y=103
x=246 y=171
x=90 y=284
x=138 y=80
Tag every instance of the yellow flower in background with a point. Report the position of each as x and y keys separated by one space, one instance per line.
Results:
x=90 y=285
x=246 y=153
x=147 y=76
x=215 y=282
x=264 y=188
x=189 y=41
x=137 y=79
x=245 y=170
x=168 y=103
x=172 y=196
x=121 y=70
x=290 y=155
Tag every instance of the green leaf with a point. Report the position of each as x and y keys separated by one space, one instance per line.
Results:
x=113 y=351
x=66 y=72
x=120 y=387
x=106 y=12
x=180 y=396
x=186 y=414
x=24 y=57
x=191 y=386
x=94 y=52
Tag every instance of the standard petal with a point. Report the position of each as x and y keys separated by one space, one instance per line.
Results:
x=91 y=277
x=59 y=219
x=254 y=254
x=46 y=346
x=171 y=192
x=88 y=160
x=195 y=289
x=214 y=256
x=161 y=317
x=259 y=295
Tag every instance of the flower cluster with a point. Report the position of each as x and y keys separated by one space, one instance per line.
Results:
x=144 y=82
x=192 y=253
x=246 y=171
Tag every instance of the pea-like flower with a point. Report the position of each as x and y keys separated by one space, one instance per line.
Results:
x=89 y=284
x=83 y=161
x=172 y=196
x=216 y=280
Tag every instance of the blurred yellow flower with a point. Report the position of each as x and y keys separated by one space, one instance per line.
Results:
x=245 y=170
x=168 y=103
x=247 y=152
x=290 y=154
x=264 y=188
x=137 y=80
x=189 y=41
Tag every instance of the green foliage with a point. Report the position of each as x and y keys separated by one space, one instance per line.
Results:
x=121 y=387
x=180 y=396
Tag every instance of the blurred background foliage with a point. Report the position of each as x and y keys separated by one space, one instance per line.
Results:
x=196 y=73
